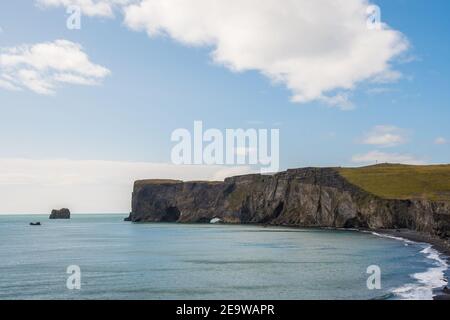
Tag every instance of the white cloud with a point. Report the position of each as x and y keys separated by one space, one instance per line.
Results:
x=379 y=90
x=387 y=77
x=8 y=85
x=440 y=140
x=385 y=136
x=320 y=50
x=42 y=67
x=88 y=185
x=313 y=47
x=340 y=100
x=373 y=157
x=92 y=8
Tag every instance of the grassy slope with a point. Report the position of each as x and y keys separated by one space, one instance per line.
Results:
x=392 y=181
x=139 y=183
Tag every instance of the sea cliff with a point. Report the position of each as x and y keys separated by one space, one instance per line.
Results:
x=308 y=197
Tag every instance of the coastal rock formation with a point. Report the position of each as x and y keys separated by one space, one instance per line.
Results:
x=309 y=197
x=63 y=213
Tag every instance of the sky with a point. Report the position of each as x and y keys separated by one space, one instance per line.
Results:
x=85 y=112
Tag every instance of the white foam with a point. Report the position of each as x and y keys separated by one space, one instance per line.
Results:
x=426 y=281
x=392 y=237
x=215 y=220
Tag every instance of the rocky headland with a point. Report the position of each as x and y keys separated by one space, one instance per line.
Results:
x=309 y=197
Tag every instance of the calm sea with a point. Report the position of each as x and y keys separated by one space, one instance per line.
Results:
x=122 y=260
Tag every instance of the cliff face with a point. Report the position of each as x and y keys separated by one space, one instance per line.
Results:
x=309 y=197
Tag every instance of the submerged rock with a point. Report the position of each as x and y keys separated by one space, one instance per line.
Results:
x=63 y=213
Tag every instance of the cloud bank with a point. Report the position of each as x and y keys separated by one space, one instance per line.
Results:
x=43 y=67
x=319 y=50
x=91 y=186
x=312 y=47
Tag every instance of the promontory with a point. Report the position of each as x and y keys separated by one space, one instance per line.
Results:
x=386 y=196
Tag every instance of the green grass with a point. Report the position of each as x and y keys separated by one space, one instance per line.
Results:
x=156 y=181
x=394 y=181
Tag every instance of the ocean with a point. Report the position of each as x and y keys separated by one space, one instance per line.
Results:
x=123 y=260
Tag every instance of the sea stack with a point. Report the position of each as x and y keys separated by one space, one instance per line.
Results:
x=63 y=213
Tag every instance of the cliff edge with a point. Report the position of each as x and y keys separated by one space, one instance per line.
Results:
x=308 y=197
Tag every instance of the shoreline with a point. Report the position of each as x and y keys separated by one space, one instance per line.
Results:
x=440 y=252
x=440 y=245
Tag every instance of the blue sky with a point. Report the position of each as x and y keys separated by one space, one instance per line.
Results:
x=157 y=84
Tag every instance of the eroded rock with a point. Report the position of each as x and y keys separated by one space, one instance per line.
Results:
x=309 y=197
x=63 y=213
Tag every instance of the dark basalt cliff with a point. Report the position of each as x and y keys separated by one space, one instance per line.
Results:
x=310 y=197
x=63 y=213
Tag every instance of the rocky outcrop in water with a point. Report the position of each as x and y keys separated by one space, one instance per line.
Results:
x=310 y=197
x=63 y=213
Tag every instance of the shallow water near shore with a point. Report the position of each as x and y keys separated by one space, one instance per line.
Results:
x=123 y=260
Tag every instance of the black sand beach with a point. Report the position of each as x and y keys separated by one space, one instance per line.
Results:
x=442 y=245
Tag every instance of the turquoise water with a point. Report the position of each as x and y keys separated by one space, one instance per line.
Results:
x=122 y=260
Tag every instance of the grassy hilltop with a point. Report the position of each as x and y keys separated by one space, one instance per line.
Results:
x=387 y=181
x=395 y=181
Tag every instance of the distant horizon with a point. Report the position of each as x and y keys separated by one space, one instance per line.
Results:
x=72 y=213
x=95 y=95
x=128 y=193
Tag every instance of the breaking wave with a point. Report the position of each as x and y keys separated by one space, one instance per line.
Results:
x=425 y=282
